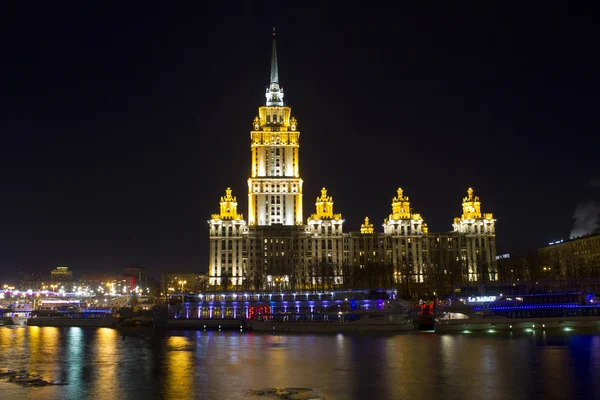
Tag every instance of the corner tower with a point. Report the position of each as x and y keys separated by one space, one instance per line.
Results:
x=274 y=187
x=227 y=260
x=476 y=233
x=325 y=239
x=407 y=233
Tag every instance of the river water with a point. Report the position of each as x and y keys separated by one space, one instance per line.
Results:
x=148 y=364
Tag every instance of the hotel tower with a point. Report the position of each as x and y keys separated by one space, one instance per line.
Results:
x=276 y=249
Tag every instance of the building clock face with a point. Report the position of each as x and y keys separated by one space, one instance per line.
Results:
x=256 y=126
x=293 y=127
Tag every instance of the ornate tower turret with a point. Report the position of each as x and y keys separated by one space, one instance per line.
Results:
x=367 y=227
x=400 y=207
x=401 y=221
x=324 y=208
x=472 y=213
x=228 y=207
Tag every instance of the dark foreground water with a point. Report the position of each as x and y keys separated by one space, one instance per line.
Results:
x=145 y=364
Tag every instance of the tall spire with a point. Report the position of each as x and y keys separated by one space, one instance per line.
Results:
x=274 y=71
x=274 y=93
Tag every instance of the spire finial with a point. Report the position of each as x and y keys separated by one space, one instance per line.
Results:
x=274 y=71
x=274 y=92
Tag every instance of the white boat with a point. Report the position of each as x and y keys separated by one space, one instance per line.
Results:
x=480 y=323
x=16 y=317
x=357 y=321
x=82 y=319
x=459 y=317
x=20 y=317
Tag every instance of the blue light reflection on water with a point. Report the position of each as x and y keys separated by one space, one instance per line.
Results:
x=110 y=364
x=74 y=361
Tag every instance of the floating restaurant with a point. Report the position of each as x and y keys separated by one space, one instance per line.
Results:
x=249 y=305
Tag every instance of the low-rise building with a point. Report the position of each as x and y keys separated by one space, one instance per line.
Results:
x=568 y=259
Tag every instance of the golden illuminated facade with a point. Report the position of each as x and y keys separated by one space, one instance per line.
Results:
x=476 y=240
x=275 y=187
x=406 y=233
x=324 y=241
x=226 y=230
x=277 y=250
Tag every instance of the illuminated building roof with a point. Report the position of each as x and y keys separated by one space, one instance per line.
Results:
x=324 y=208
x=228 y=207
x=274 y=93
x=274 y=70
x=472 y=208
x=367 y=227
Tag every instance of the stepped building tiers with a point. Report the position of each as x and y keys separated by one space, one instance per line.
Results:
x=277 y=250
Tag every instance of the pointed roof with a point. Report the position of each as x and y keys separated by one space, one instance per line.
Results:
x=274 y=94
x=274 y=70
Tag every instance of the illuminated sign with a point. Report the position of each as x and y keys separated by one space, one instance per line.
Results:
x=503 y=256
x=254 y=311
x=481 y=299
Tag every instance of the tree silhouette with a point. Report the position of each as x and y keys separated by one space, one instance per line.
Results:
x=225 y=280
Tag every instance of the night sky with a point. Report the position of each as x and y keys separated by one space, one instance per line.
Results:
x=122 y=127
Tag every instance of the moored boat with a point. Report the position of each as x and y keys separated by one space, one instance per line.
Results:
x=20 y=317
x=518 y=313
x=16 y=317
x=82 y=319
x=357 y=321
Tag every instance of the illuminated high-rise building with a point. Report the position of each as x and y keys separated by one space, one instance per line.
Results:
x=277 y=250
x=275 y=187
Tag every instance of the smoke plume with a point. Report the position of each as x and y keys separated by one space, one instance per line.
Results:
x=587 y=214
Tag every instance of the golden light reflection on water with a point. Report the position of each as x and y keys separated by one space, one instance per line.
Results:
x=19 y=336
x=9 y=342
x=102 y=364
x=341 y=353
x=180 y=372
x=34 y=339
x=279 y=359
x=107 y=378
x=49 y=342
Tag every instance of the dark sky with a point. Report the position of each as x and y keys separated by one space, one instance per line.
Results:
x=121 y=127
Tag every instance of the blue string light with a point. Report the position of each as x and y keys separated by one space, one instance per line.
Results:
x=542 y=306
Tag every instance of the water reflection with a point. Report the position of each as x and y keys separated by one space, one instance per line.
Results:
x=50 y=341
x=74 y=361
x=107 y=364
x=106 y=379
x=34 y=339
x=179 y=365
